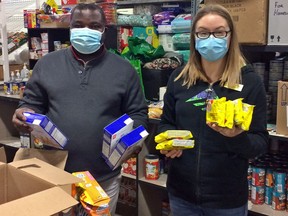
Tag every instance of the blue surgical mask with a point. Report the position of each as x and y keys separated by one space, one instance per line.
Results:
x=85 y=40
x=212 y=49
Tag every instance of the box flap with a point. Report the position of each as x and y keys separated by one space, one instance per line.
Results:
x=45 y=171
x=48 y=202
x=56 y=158
x=2 y=155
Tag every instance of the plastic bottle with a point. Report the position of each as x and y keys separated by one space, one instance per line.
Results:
x=24 y=71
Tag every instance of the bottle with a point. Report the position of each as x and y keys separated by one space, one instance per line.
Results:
x=16 y=83
x=24 y=71
x=25 y=140
x=151 y=167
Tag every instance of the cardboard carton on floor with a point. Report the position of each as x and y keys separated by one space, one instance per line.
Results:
x=282 y=108
x=33 y=187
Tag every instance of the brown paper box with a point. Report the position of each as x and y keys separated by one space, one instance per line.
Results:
x=33 y=187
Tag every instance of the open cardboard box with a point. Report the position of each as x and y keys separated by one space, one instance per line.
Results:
x=33 y=187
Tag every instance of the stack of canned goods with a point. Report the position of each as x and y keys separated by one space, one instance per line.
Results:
x=275 y=74
x=267 y=180
x=15 y=84
x=260 y=69
x=285 y=70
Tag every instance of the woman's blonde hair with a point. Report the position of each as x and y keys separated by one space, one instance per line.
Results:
x=194 y=71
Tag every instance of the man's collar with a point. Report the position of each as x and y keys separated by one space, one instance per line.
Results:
x=97 y=55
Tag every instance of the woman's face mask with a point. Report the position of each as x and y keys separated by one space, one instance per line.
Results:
x=86 y=40
x=212 y=49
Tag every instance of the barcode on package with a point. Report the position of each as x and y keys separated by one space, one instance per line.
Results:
x=58 y=136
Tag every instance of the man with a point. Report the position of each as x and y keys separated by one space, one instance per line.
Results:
x=82 y=89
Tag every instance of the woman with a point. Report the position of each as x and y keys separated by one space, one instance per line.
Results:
x=211 y=178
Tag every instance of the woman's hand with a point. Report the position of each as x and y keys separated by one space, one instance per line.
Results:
x=226 y=131
x=172 y=153
x=19 y=120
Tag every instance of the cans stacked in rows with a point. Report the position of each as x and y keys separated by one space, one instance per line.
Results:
x=267 y=180
x=285 y=70
x=260 y=69
x=271 y=86
x=275 y=74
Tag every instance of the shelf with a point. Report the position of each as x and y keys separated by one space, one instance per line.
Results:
x=161 y=182
x=134 y=2
x=264 y=48
x=14 y=98
x=265 y=210
x=11 y=141
x=128 y=175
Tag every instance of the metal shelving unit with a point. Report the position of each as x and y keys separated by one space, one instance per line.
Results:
x=12 y=20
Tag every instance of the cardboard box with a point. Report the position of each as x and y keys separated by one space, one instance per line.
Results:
x=278 y=16
x=282 y=103
x=33 y=187
x=250 y=17
x=126 y=146
x=113 y=133
x=54 y=21
x=45 y=130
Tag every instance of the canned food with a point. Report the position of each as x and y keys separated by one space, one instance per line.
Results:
x=258 y=176
x=151 y=167
x=257 y=194
x=7 y=88
x=268 y=195
x=269 y=182
x=278 y=201
x=280 y=181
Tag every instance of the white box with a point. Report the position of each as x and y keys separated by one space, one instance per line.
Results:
x=278 y=17
x=127 y=145
x=166 y=41
x=45 y=130
x=113 y=133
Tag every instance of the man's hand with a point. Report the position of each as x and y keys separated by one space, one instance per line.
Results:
x=19 y=120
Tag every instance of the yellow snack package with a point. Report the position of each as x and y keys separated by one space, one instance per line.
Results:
x=238 y=109
x=178 y=144
x=173 y=134
x=247 y=116
x=229 y=114
x=94 y=200
x=215 y=112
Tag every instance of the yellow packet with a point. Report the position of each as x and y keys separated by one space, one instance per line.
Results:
x=92 y=197
x=215 y=112
x=173 y=134
x=179 y=144
x=229 y=114
x=238 y=109
x=247 y=116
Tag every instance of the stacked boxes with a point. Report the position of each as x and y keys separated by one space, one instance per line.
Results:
x=127 y=145
x=113 y=133
x=120 y=140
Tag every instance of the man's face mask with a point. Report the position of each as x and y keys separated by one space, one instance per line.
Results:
x=85 y=40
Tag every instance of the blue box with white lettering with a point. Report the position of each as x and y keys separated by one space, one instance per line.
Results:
x=127 y=145
x=113 y=133
x=45 y=130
